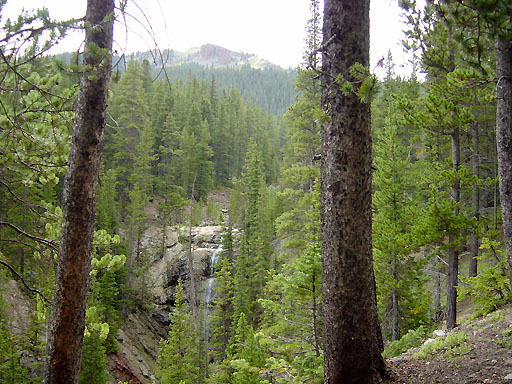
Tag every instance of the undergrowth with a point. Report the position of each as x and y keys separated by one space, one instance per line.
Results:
x=411 y=339
x=490 y=289
x=452 y=346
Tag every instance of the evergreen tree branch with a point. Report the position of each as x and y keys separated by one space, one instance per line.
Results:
x=33 y=290
x=43 y=92
x=22 y=243
x=30 y=206
x=48 y=243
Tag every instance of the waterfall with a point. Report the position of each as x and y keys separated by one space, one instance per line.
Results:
x=207 y=296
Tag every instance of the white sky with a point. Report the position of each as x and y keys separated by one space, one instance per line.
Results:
x=272 y=29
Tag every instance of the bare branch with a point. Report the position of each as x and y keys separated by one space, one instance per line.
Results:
x=33 y=290
x=48 y=243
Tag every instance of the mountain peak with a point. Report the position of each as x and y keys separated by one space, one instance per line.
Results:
x=217 y=56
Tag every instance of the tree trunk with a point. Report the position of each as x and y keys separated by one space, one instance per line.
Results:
x=125 y=311
x=352 y=336
x=67 y=318
x=495 y=197
x=395 y=315
x=438 y=310
x=504 y=139
x=453 y=251
x=474 y=243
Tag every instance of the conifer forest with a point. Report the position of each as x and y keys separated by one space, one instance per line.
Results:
x=198 y=224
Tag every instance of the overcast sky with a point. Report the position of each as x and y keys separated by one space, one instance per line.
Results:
x=272 y=29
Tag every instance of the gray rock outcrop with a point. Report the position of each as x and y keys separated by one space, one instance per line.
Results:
x=167 y=254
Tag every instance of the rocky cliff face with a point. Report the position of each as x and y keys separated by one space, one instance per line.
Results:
x=166 y=252
x=143 y=330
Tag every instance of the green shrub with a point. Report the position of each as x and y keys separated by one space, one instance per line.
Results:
x=505 y=341
x=490 y=288
x=452 y=346
x=413 y=338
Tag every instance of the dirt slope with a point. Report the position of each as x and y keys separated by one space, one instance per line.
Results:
x=484 y=357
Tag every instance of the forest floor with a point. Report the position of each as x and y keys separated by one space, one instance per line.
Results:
x=485 y=355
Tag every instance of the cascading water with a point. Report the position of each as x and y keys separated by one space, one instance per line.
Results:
x=207 y=295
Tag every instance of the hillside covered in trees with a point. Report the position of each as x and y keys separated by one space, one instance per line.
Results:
x=210 y=221
x=264 y=84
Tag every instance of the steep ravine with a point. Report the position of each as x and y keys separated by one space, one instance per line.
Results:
x=141 y=333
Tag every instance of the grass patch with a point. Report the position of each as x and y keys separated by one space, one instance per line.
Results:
x=452 y=346
x=506 y=340
x=413 y=338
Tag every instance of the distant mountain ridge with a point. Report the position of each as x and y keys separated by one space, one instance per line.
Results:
x=259 y=81
x=211 y=54
x=208 y=55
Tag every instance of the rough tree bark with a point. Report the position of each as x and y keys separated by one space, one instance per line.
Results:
x=352 y=336
x=504 y=139
x=67 y=319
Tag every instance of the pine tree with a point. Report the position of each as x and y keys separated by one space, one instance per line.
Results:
x=34 y=142
x=251 y=263
x=292 y=321
x=106 y=205
x=237 y=146
x=147 y=80
x=300 y=220
x=11 y=371
x=196 y=163
x=222 y=314
x=105 y=296
x=131 y=123
x=244 y=354
x=67 y=320
x=178 y=356
x=401 y=295
x=456 y=55
x=220 y=144
x=94 y=362
x=242 y=302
